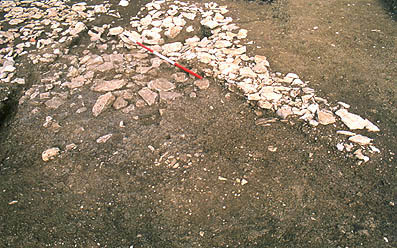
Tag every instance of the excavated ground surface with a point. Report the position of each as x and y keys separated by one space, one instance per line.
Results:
x=196 y=171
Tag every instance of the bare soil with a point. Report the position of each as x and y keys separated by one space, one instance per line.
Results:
x=131 y=192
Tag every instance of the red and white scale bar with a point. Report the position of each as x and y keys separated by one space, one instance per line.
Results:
x=170 y=61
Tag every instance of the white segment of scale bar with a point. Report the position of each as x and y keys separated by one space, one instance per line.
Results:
x=164 y=57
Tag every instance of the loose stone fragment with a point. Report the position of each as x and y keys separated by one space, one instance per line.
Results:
x=104 y=86
x=265 y=121
x=173 y=32
x=352 y=121
x=284 y=111
x=116 y=31
x=180 y=77
x=55 y=102
x=119 y=103
x=148 y=95
x=102 y=103
x=50 y=154
x=361 y=156
x=247 y=72
x=104 y=139
x=75 y=83
x=78 y=27
x=172 y=47
x=360 y=139
x=325 y=117
x=242 y=34
x=202 y=84
x=340 y=147
x=161 y=84
x=169 y=96
x=209 y=23
x=347 y=133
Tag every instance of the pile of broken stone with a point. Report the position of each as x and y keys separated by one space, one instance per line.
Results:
x=221 y=54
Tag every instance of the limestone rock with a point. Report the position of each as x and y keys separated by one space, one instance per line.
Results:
x=172 y=47
x=242 y=34
x=119 y=103
x=359 y=154
x=104 y=86
x=180 y=77
x=223 y=44
x=78 y=27
x=169 y=96
x=50 y=153
x=148 y=95
x=202 y=84
x=325 y=117
x=55 y=102
x=104 y=139
x=102 y=103
x=209 y=23
x=360 y=139
x=352 y=121
x=161 y=84
x=116 y=31
x=173 y=32
x=76 y=82
x=284 y=111
x=247 y=72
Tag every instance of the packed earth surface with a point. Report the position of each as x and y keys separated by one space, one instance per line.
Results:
x=287 y=140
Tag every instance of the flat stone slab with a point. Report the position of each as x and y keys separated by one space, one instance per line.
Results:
x=104 y=86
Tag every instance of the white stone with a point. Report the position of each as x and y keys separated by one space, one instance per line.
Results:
x=131 y=37
x=227 y=68
x=78 y=27
x=124 y=3
x=146 y=21
x=325 y=117
x=347 y=133
x=116 y=31
x=223 y=44
x=284 y=111
x=361 y=156
x=271 y=96
x=371 y=127
x=104 y=138
x=340 y=147
x=178 y=21
x=292 y=75
x=242 y=34
x=173 y=32
x=50 y=153
x=172 y=47
x=247 y=72
x=345 y=105
x=352 y=121
x=360 y=139
x=209 y=23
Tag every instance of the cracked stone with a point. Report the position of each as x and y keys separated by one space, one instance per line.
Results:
x=148 y=95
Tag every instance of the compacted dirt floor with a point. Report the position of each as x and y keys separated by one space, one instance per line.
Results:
x=197 y=171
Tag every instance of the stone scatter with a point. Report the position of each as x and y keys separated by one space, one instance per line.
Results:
x=124 y=77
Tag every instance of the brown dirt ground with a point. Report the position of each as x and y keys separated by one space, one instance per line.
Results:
x=306 y=194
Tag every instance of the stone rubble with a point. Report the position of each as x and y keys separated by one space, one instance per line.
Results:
x=135 y=83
